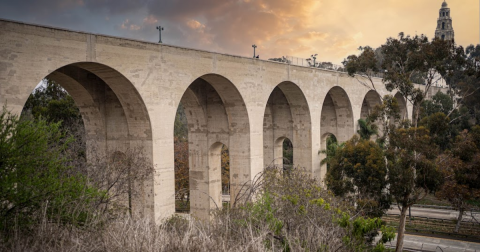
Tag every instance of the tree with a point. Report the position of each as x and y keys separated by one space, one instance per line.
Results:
x=440 y=102
x=358 y=172
x=409 y=57
x=367 y=128
x=462 y=176
x=52 y=102
x=404 y=61
x=365 y=66
x=332 y=147
x=287 y=150
x=439 y=129
x=182 y=190
x=412 y=171
x=225 y=164
x=409 y=150
x=181 y=124
x=35 y=177
x=283 y=59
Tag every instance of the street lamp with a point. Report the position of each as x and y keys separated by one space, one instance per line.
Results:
x=314 y=57
x=254 y=46
x=160 y=29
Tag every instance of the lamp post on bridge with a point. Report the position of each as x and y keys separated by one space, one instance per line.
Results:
x=160 y=29
x=254 y=46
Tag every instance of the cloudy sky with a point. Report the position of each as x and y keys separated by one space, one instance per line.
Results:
x=331 y=28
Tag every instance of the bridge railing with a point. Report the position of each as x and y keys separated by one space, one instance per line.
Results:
x=309 y=63
x=339 y=68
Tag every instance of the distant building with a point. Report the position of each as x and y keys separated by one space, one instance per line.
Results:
x=444 y=23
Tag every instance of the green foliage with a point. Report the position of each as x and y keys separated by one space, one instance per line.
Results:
x=332 y=147
x=406 y=57
x=460 y=169
x=287 y=152
x=181 y=125
x=440 y=129
x=358 y=172
x=263 y=212
x=440 y=102
x=367 y=128
x=362 y=228
x=34 y=176
x=413 y=172
x=290 y=205
x=51 y=102
x=365 y=63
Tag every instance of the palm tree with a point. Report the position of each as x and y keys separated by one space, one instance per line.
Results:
x=367 y=128
x=332 y=147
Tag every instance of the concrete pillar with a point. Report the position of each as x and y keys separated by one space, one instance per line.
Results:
x=278 y=125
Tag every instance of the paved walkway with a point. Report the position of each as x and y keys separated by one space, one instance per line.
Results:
x=436 y=213
x=425 y=243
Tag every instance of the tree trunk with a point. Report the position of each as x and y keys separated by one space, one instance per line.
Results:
x=459 y=219
x=401 y=229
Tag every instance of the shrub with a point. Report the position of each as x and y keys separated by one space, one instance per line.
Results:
x=34 y=177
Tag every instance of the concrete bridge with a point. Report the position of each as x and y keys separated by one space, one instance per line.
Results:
x=128 y=92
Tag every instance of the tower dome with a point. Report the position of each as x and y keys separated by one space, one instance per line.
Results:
x=444 y=4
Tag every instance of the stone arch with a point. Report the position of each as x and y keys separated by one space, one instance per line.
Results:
x=402 y=104
x=114 y=116
x=216 y=113
x=372 y=98
x=337 y=115
x=278 y=152
x=287 y=115
x=336 y=119
x=322 y=155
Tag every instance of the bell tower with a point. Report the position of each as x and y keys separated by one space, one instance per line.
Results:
x=444 y=23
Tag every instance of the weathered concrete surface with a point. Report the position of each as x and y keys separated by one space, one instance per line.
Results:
x=128 y=92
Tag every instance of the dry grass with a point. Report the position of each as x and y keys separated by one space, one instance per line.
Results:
x=285 y=216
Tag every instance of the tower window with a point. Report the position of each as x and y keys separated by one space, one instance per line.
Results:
x=443 y=36
x=448 y=13
x=443 y=25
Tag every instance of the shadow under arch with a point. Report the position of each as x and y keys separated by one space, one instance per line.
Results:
x=337 y=115
x=114 y=116
x=372 y=98
x=402 y=104
x=287 y=115
x=336 y=119
x=216 y=113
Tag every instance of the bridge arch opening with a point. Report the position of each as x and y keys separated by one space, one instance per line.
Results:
x=215 y=113
x=372 y=98
x=217 y=154
x=402 y=104
x=328 y=149
x=283 y=153
x=115 y=122
x=337 y=115
x=336 y=119
x=287 y=116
